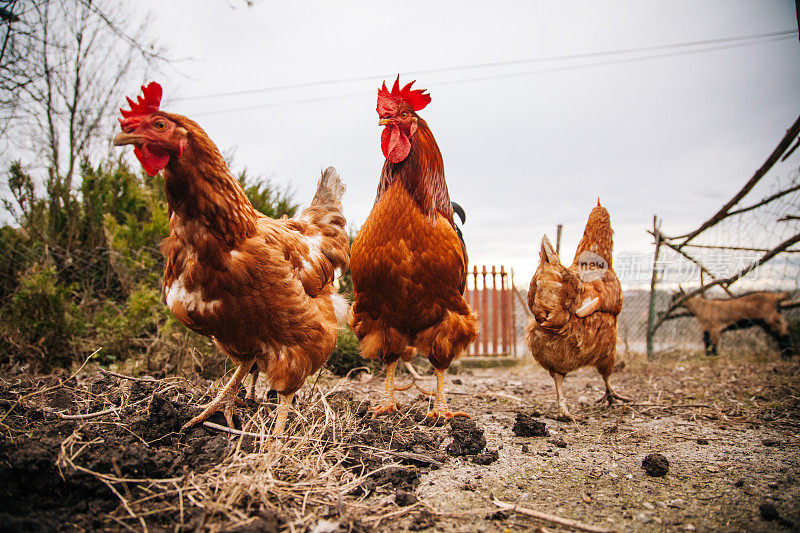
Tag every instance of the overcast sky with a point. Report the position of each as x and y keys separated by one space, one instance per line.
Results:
x=673 y=130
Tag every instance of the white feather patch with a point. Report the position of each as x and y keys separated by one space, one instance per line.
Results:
x=587 y=307
x=191 y=301
x=340 y=307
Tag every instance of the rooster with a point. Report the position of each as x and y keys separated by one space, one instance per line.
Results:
x=261 y=289
x=409 y=265
x=575 y=309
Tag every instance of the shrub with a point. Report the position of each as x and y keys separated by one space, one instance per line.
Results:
x=41 y=322
x=346 y=355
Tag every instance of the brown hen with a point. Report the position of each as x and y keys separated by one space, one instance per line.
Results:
x=575 y=309
x=261 y=289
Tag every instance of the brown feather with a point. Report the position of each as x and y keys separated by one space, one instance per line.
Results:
x=560 y=340
x=260 y=288
x=409 y=265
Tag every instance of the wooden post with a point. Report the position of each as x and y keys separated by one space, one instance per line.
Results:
x=468 y=299
x=651 y=313
x=495 y=309
x=484 y=311
x=504 y=308
x=513 y=315
x=476 y=306
x=558 y=239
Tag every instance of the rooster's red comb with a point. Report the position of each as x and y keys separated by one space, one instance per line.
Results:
x=145 y=104
x=388 y=101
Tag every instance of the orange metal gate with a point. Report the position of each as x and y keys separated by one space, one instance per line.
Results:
x=489 y=294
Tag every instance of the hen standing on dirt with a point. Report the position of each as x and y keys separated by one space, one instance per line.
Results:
x=575 y=309
x=409 y=266
x=261 y=288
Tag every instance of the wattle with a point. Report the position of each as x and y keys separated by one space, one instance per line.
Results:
x=395 y=144
x=153 y=159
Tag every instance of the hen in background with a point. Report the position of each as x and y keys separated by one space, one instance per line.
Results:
x=575 y=309
x=261 y=289
x=408 y=263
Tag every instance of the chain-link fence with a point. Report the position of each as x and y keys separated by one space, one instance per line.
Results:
x=751 y=244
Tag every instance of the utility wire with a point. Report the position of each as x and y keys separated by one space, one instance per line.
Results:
x=776 y=36
x=784 y=33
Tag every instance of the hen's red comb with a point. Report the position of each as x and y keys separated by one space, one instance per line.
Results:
x=145 y=104
x=388 y=101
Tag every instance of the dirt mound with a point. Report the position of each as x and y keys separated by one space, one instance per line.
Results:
x=526 y=425
x=52 y=466
x=468 y=438
x=655 y=465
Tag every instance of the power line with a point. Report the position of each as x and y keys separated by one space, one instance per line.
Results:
x=776 y=36
x=503 y=63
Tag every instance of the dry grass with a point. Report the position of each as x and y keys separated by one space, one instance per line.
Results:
x=291 y=482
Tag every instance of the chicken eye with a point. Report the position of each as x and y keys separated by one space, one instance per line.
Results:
x=160 y=125
x=403 y=114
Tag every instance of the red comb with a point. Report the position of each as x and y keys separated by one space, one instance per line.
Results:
x=388 y=101
x=145 y=104
x=598 y=202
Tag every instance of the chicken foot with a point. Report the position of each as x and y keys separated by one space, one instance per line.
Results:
x=611 y=395
x=251 y=391
x=284 y=404
x=388 y=403
x=225 y=400
x=563 y=413
x=440 y=403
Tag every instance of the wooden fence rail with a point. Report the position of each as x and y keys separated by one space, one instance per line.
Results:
x=489 y=294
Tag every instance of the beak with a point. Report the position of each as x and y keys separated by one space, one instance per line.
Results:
x=384 y=122
x=123 y=138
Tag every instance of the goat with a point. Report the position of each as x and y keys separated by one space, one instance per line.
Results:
x=754 y=309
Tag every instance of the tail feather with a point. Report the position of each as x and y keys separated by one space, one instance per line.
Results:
x=330 y=189
x=554 y=290
x=322 y=226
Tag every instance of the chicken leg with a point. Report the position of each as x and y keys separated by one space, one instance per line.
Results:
x=440 y=403
x=251 y=391
x=563 y=413
x=611 y=395
x=225 y=400
x=284 y=404
x=388 y=403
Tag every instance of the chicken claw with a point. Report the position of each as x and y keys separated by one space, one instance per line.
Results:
x=388 y=404
x=225 y=400
x=384 y=408
x=564 y=415
x=611 y=395
x=440 y=404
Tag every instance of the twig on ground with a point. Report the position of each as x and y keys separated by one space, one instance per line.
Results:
x=129 y=378
x=551 y=518
x=399 y=512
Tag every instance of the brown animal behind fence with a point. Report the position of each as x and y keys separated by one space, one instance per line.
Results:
x=755 y=309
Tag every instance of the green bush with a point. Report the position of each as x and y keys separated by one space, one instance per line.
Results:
x=41 y=322
x=135 y=327
x=346 y=355
x=103 y=289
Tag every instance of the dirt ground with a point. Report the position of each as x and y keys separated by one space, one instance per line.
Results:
x=98 y=451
